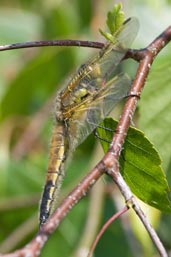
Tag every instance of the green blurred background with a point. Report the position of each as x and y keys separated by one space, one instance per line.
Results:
x=29 y=79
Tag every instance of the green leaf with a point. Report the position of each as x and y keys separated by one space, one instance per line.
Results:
x=140 y=166
x=115 y=18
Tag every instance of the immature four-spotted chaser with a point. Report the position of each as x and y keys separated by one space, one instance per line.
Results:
x=87 y=99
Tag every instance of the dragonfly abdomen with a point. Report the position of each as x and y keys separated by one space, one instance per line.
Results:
x=55 y=172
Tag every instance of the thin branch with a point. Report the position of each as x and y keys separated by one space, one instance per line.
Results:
x=131 y=53
x=67 y=42
x=131 y=202
x=105 y=226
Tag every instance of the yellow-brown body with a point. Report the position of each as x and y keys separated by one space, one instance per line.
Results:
x=55 y=171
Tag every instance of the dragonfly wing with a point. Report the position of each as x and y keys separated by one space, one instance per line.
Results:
x=95 y=84
x=112 y=54
x=97 y=72
x=127 y=32
x=87 y=117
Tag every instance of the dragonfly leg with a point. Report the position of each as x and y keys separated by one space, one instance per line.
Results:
x=106 y=129
x=100 y=138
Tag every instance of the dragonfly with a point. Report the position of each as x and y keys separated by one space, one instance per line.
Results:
x=87 y=99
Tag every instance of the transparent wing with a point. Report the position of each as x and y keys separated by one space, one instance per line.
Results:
x=122 y=40
x=100 y=69
x=93 y=82
x=88 y=116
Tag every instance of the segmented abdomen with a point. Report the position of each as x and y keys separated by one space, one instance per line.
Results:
x=55 y=172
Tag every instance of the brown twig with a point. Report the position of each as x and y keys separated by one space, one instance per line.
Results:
x=109 y=163
x=105 y=226
x=51 y=43
x=110 y=160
